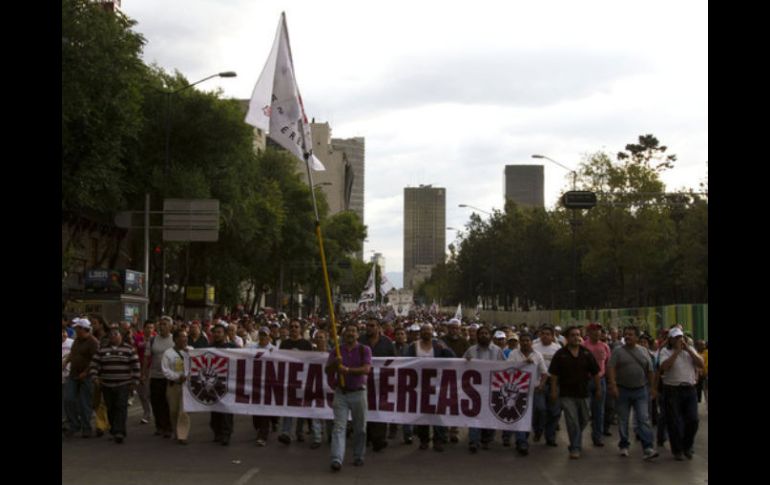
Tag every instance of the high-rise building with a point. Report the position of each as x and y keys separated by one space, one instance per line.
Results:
x=524 y=185
x=424 y=232
x=344 y=159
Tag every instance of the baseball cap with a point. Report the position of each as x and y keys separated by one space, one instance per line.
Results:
x=474 y=325
x=675 y=332
x=557 y=328
x=499 y=334
x=82 y=322
x=414 y=328
x=264 y=330
x=514 y=336
x=454 y=322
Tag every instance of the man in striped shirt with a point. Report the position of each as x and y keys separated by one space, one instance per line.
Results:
x=116 y=368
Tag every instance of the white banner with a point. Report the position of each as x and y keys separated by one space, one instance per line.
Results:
x=408 y=390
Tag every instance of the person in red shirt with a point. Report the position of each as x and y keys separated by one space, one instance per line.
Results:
x=601 y=352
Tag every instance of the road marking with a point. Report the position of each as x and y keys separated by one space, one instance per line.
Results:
x=247 y=476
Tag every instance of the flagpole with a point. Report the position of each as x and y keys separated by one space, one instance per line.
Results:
x=323 y=264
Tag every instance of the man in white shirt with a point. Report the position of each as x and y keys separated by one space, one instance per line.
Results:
x=262 y=423
x=483 y=350
x=546 y=412
x=680 y=365
x=525 y=354
x=174 y=370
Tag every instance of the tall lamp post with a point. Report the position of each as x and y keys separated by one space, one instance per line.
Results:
x=573 y=224
x=167 y=166
x=475 y=208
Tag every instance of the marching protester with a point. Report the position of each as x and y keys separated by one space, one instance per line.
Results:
x=294 y=341
x=601 y=352
x=221 y=423
x=101 y=420
x=629 y=371
x=176 y=374
x=141 y=341
x=153 y=355
x=546 y=412
x=459 y=346
x=321 y=344
x=66 y=347
x=527 y=355
x=483 y=350
x=115 y=367
x=78 y=397
x=381 y=346
x=349 y=398
x=196 y=338
x=570 y=369
x=428 y=347
x=512 y=343
x=262 y=423
x=680 y=364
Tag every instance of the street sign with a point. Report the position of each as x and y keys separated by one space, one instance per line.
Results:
x=579 y=199
x=191 y=220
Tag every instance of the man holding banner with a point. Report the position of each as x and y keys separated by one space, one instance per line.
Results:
x=354 y=367
x=427 y=346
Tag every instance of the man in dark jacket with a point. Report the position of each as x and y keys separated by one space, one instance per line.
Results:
x=221 y=423
x=381 y=346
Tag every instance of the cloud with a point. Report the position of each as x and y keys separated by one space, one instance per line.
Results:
x=533 y=78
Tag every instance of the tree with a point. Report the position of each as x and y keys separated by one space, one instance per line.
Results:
x=102 y=75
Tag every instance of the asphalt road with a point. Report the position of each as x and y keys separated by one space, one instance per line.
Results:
x=151 y=460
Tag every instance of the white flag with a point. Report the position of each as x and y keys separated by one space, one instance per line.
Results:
x=459 y=312
x=276 y=105
x=370 y=292
x=385 y=284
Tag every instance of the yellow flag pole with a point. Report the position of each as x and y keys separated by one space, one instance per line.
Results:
x=325 y=270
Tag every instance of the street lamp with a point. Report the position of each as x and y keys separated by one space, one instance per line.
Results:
x=476 y=208
x=573 y=224
x=168 y=161
x=574 y=174
x=168 y=110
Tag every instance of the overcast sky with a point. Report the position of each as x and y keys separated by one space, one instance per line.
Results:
x=448 y=93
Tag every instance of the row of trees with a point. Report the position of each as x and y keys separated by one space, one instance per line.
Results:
x=639 y=246
x=114 y=115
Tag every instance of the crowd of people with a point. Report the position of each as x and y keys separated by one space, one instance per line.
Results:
x=591 y=374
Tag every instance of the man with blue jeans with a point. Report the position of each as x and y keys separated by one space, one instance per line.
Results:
x=350 y=395
x=629 y=371
x=79 y=388
x=570 y=369
x=601 y=352
x=546 y=414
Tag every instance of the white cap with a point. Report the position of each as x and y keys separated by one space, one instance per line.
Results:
x=675 y=332
x=82 y=322
x=557 y=328
x=454 y=322
x=474 y=325
x=414 y=328
x=499 y=334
